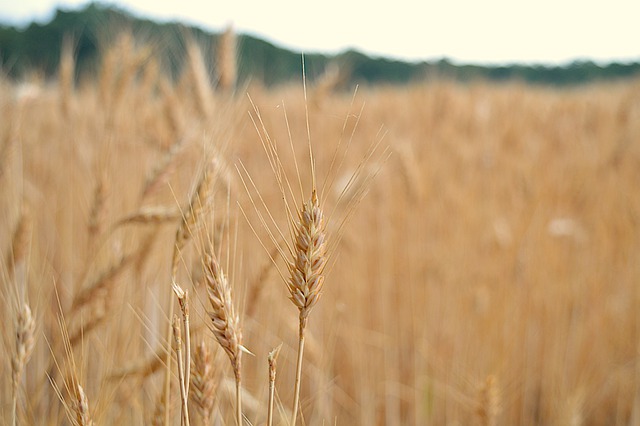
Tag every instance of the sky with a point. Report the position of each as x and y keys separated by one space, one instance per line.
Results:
x=465 y=31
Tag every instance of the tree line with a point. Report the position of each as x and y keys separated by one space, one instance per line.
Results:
x=36 y=48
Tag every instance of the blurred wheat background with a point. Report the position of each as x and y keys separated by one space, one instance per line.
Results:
x=489 y=276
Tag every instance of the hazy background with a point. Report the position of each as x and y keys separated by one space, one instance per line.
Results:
x=489 y=32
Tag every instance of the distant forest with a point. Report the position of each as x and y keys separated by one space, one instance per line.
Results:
x=36 y=49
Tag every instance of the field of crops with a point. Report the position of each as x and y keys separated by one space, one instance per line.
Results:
x=480 y=248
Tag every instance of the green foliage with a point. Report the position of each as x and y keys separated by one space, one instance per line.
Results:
x=37 y=48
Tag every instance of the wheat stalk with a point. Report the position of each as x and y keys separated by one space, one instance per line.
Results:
x=66 y=76
x=142 y=368
x=226 y=60
x=197 y=204
x=101 y=286
x=308 y=250
x=150 y=215
x=96 y=315
x=97 y=296
x=271 y=359
x=225 y=322
x=183 y=301
x=108 y=71
x=172 y=111
x=76 y=404
x=160 y=173
x=181 y=373
x=130 y=59
x=307 y=274
x=200 y=78
x=326 y=83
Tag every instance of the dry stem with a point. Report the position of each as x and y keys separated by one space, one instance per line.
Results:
x=272 y=358
x=181 y=375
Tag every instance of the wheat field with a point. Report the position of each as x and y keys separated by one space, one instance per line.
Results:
x=482 y=268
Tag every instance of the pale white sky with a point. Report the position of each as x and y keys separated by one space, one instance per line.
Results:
x=481 y=31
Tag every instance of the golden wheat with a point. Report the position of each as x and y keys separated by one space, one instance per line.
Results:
x=503 y=239
x=81 y=407
x=225 y=322
x=489 y=402
x=20 y=242
x=199 y=76
x=204 y=380
x=25 y=341
x=226 y=60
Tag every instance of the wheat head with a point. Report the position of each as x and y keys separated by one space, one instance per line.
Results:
x=226 y=324
x=307 y=269
x=204 y=382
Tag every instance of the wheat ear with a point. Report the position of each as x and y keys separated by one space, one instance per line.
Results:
x=162 y=410
x=98 y=208
x=66 y=76
x=197 y=204
x=159 y=175
x=226 y=60
x=200 y=78
x=20 y=241
x=81 y=407
x=150 y=215
x=488 y=405
x=226 y=324
x=307 y=274
x=204 y=381
x=25 y=341
x=102 y=285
